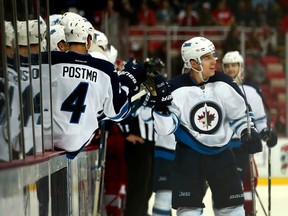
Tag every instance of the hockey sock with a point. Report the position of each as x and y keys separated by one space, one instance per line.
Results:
x=162 y=203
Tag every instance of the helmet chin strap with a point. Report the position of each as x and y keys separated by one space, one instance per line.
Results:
x=199 y=72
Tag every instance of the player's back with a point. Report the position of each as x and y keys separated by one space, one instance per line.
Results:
x=80 y=90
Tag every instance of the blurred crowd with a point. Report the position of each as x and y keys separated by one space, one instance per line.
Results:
x=270 y=16
x=253 y=13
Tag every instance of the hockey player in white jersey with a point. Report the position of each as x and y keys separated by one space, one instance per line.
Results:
x=207 y=108
x=84 y=86
x=29 y=49
x=9 y=99
x=233 y=65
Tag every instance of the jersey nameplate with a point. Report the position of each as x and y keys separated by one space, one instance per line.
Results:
x=79 y=72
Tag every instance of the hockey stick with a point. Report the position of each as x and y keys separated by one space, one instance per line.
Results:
x=98 y=200
x=260 y=202
x=102 y=158
x=269 y=153
x=100 y=168
x=269 y=181
x=252 y=180
x=269 y=159
x=250 y=155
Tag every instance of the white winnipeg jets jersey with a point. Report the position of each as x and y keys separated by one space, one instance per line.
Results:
x=207 y=115
x=166 y=141
x=165 y=146
x=140 y=123
x=82 y=87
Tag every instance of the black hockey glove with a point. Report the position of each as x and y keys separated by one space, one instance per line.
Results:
x=127 y=79
x=137 y=69
x=163 y=97
x=269 y=136
x=251 y=143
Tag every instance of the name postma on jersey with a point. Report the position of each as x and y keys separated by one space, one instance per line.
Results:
x=79 y=72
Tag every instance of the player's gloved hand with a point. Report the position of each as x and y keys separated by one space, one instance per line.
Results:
x=149 y=100
x=137 y=69
x=132 y=76
x=251 y=143
x=269 y=136
x=163 y=97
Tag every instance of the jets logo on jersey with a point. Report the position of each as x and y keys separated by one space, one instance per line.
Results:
x=206 y=118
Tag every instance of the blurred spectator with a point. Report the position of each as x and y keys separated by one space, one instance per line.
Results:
x=268 y=41
x=165 y=14
x=232 y=41
x=146 y=16
x=259 y=18
x=108 y=11
x=265 y=3
x=253 y=44
x=206 y=18
x=188 y=16
x=284 y=5
x=223 y=15
x=274 y=14
x=255 y=71
x=127 y=11
x=243 y=13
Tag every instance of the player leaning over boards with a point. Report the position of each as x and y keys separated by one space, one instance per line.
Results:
x=83 y=86
x=207 y=108
x=233 y=65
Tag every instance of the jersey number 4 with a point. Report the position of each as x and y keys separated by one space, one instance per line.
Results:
x=75 y=102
